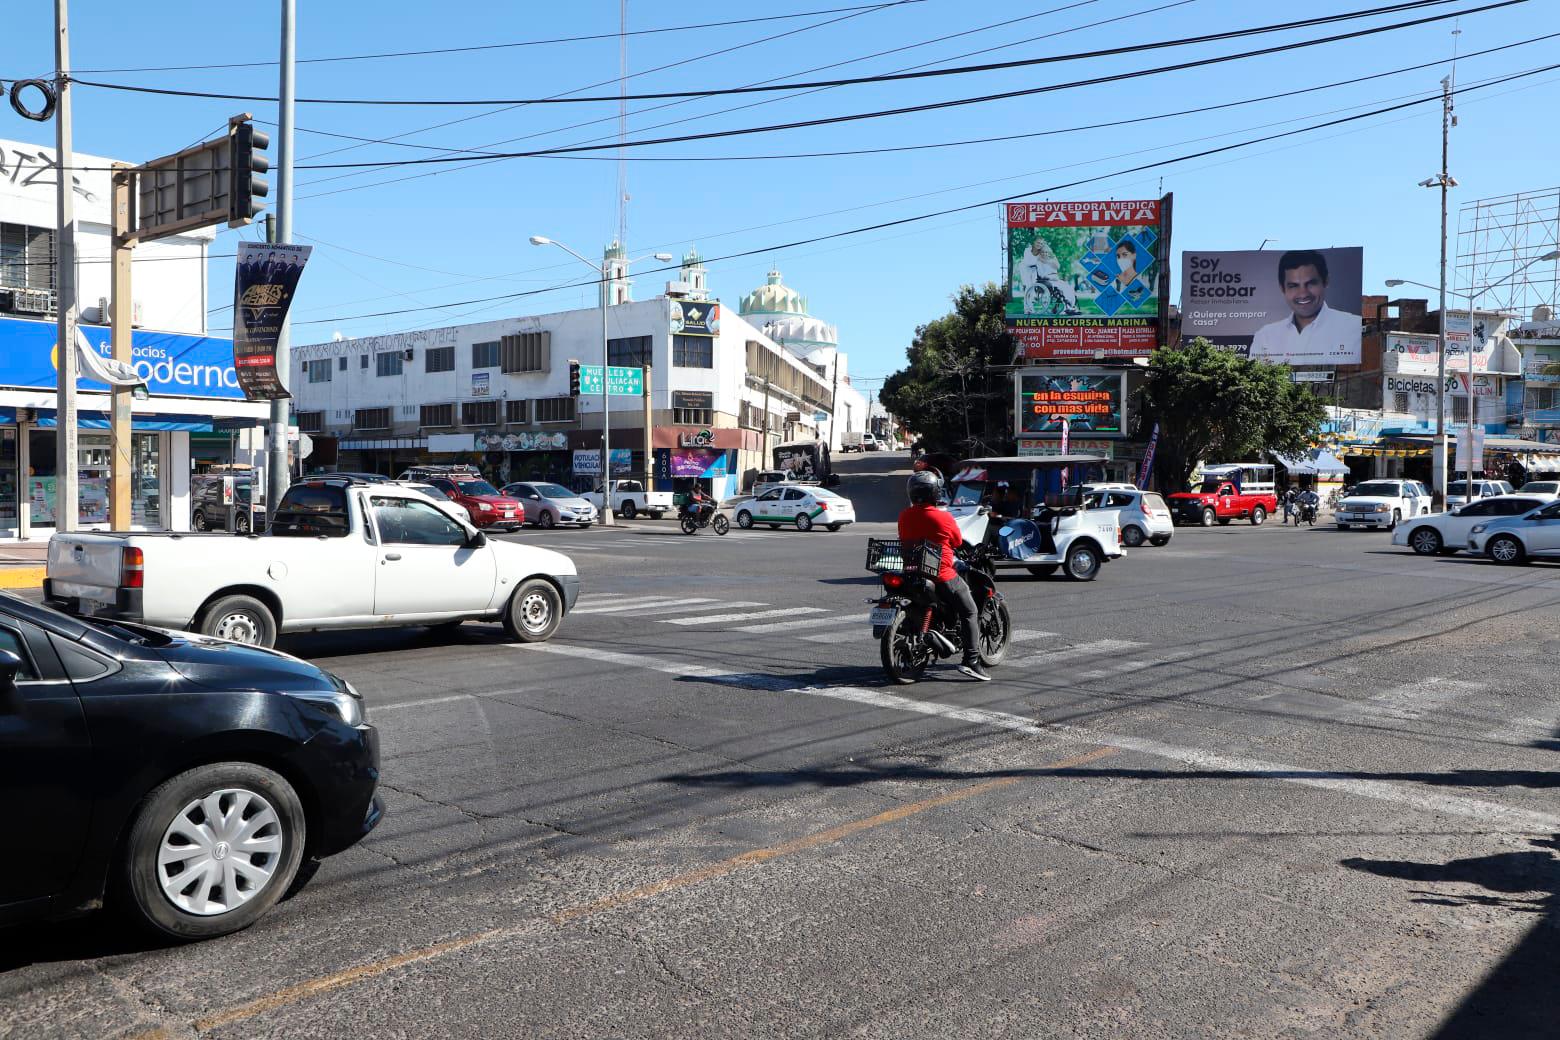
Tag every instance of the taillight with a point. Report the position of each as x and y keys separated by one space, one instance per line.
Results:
x=893 y=581
x=132 y=568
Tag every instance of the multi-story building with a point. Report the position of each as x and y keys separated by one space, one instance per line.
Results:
x=190 y=376
x=721 y=393
x=1538 y=413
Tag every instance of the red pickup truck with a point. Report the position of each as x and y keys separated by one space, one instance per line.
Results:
x=1221 y=500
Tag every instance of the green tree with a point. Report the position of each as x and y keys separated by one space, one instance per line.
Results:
x=948 y=393
x=1211 y=404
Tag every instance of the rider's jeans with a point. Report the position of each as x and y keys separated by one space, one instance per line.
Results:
x=956 y=594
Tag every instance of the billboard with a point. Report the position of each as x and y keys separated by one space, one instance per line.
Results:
x=1087 y=279
x=695 y=318
x=1306 y=314
x=1088 y=403
x=172 y=365
x=264 y=281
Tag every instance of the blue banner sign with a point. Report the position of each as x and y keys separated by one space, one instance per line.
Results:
x=173 y=365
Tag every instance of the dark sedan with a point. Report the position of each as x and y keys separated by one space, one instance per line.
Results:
x=181 y=780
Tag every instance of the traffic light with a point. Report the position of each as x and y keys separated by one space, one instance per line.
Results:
x=246 y=161
x=574 y=379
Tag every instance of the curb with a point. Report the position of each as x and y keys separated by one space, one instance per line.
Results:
x=22 y=577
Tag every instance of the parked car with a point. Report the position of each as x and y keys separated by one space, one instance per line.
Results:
x=1518 y=539
x=1541 y=487
x=1221 y=499
x=851 y=440
x=548 y=505
x=800 y=505
x=1457 y=491
x=209 y=513
x=455 y=509
x=488 y=509
x=1142 y=516
x=177 y=779
x=1382 y=503
x=629 y=499
x=361 y=478
x=1447 y=533
x=336 y=555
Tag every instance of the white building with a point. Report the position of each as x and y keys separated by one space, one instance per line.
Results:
x=496 y=393
x=190 y=376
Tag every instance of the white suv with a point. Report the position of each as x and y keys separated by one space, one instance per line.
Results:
x=1382 y=503
x=1457 y=491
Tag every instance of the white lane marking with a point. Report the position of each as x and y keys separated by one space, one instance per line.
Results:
x=1018 y=635
x=851 y=620
x=1522 y=731
x=377 y=708
x=1412 y=700
x=716 y=619
x=1491 y=813
x=1128 y=667
x=729 y=606
x=654 y=603
x=1099 y=646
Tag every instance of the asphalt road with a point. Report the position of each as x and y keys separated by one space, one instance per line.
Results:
x=1262 y=782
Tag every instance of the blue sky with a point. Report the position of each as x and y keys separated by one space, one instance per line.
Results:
x=462 y=233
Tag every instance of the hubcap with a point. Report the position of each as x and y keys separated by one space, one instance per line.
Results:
x=238 y=627
x=219 y=852
x=1424 y=541
x=1083 y=561
x=535 y=612
x=1504 y=551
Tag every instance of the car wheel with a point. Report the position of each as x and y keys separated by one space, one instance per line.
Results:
x=241 y=525
x=1132 y=535
x=1258 y=516
x=1083 y=563
x=534 y=613
x=1506 y=549
x=1209 y=516
x=546 y=520
x=199 y=522
x=835 y=527
x=629 y=510
x=744 y=520
x=211 y=850
x=803 y=522
x=1426 y=541
x=1042 y=570
x=240 y=619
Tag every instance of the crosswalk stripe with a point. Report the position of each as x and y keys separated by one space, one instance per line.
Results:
x=1522 y=731
x=1412 y=700
x=1099 y=646
x=652 y=604
x=715 y=619
x=1129 y=667
x=635 y=601
x=787 y=626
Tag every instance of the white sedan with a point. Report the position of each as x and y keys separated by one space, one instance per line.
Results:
x=1446 y=533
x=802 y=507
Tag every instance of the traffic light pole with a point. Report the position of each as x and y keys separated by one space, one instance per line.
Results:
x=277 y=476
x=606 y=409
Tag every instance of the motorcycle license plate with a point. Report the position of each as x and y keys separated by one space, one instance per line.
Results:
x=882 y=617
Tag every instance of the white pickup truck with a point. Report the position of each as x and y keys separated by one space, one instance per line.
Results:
x=337 y=554
x=629 y=499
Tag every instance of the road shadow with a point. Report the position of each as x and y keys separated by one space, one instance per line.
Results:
x=98 y=934
x=360 y=642
x=1516 y=999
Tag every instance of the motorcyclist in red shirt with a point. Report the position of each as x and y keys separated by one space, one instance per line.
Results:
x=925 y=521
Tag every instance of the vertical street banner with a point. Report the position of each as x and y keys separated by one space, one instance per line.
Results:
x=264 y=282
x=1147 y=469
x=1087 y=280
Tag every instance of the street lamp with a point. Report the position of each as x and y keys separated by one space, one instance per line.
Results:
x=606 y=399
x=1552 y=255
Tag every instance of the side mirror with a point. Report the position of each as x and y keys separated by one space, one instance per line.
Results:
x=476 y=541
x=10 y=667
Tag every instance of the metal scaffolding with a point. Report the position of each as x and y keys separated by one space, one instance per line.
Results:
x=1498 y=241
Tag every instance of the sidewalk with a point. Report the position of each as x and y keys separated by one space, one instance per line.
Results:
x=22 y=566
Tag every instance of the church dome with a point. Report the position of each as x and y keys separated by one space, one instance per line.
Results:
x=801 y=333
x=774 y=297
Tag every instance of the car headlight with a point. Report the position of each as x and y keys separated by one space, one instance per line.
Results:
x=1479 y=528
x=344 y=703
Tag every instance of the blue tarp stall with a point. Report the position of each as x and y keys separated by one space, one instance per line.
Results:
x=1314 y=463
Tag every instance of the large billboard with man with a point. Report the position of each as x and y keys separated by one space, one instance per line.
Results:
x=1086 y=279
x=1300 y=307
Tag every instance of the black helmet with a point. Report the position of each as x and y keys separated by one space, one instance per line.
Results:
x=924 y=488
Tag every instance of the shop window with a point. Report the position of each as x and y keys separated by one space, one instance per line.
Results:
x=436 y=415
x=311 y=422
x=479 y=413
x=515 y=412
x=341 y=363
x=363 y=361
x=632 y=351
x=319 y=371
x=693 y=351
x=555 y=409
x=1459 y=409
x=389 y=363
x=371 y=419
x=439 y=359
x=693 y=416
x=526 y=352
x=484 y=355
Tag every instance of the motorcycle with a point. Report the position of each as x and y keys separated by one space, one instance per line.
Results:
x=1305 y=512
x=692 y=521
x=912 y=624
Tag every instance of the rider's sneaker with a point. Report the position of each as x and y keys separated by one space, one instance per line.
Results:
x=975 y=670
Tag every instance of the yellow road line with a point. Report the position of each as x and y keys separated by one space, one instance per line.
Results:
x=22 y=577
x=754 y=857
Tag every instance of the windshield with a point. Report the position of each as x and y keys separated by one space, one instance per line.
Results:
x=1212 y=485
x=476 y=487
x=1460 y=487
x=553 y=491
x=430 y=491
x=822 y=493
x=1377 y=489
x=967 y=494
x=1542 y=487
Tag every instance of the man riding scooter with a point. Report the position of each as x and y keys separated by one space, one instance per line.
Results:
x=699 y=505
x=924 y=521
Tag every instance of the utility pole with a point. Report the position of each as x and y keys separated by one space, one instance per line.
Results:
x=121 y=317
x=649 y=436
x=834 y=399
x=66 y=487
x=1438 y=494
x=278 y=475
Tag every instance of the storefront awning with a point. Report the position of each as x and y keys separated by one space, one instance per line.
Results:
x=142 y=423
x=1315 y=462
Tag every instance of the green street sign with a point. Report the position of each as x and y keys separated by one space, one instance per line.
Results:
x=622 y=381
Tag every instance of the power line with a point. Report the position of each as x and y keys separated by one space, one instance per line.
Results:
x=961 y=208
x=504 y=46
x=1408 y=5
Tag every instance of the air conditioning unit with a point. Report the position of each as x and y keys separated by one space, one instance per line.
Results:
x=26 y=301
